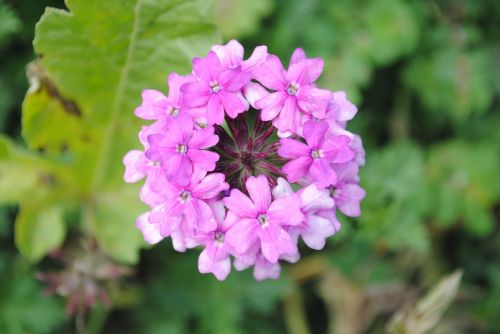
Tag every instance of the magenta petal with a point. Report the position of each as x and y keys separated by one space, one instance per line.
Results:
x=315 y=67
x=271 y=74
x=230 y=55
x=170 y=225
x=178 y=169
x=291 y=148
x=203 y=159
x=271 y=105
x=233 y=104
x=233 y=80
x=298 y=73
x=297 y=56
x=337 y=150
x=322 y=172
x=290 y=116
x=314 y=133
x=314 y=101
x=297 y=168
x=240 y=204
x=203 y=138
x=205 y=220
x=274 y=242
x=260 y=192
x=286 y=211
x=215 y=110
x=175 y=82
x=210 y=186
x=242 y=235
x=180 y=129
x=154 y=103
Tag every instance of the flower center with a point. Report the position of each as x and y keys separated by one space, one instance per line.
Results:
x=263 y=220
x=173 y=111
x=292 y=88
x=219 y=237
x=247 y=148
x=215 y=87
x=316 y=154
x=185 y=196
x=181 y=148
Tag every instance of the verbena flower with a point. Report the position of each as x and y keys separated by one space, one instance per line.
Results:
x=218 y=176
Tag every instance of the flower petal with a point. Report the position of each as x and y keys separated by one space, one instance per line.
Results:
x=271 y=74
x=291 y=148
x=314 y=133
x=215 y=110
x=203 y=159
x=242 y=235
x=260 y=192
x=240 y=204
x=297 y=168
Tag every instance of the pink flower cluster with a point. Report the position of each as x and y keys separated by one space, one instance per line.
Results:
x=217 y=178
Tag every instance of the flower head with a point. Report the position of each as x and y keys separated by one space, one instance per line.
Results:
x=216 y=171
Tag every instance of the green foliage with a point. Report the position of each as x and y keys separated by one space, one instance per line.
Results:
x=78 y=109
x=424 y=77
x=23 y=307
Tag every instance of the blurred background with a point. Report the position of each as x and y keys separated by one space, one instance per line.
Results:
x=425 y=76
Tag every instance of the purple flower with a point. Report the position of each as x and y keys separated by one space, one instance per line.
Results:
x=155 y=105
x=294 y=91
x=347 y=192
x=231 y=56
x=261 y=218
x=183 y=149
x=314 y=159
x=203 y=152
x=314 y=229
x=217 y=89
x=187 y=203
x=215 y=256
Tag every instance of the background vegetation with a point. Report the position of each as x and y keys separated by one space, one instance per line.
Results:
x=425 y=76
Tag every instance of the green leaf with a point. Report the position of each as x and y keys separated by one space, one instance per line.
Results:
x=26 y=175
x=39 y=230
x=238 y=18
x=96 y=58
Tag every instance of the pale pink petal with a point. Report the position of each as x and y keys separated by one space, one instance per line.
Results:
x=258 y=57
x=154 y=103
x=178 y=169
x=337 y=150
x=253 y=92
x=136 y=166
x=349 y=199
x=290 y=116
x=220 y=269
x=264 y=269
x=282 y=189
x=260 y=192
x=230 y=55
x=314 y=199
x=316 y=232
x=151 y=232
